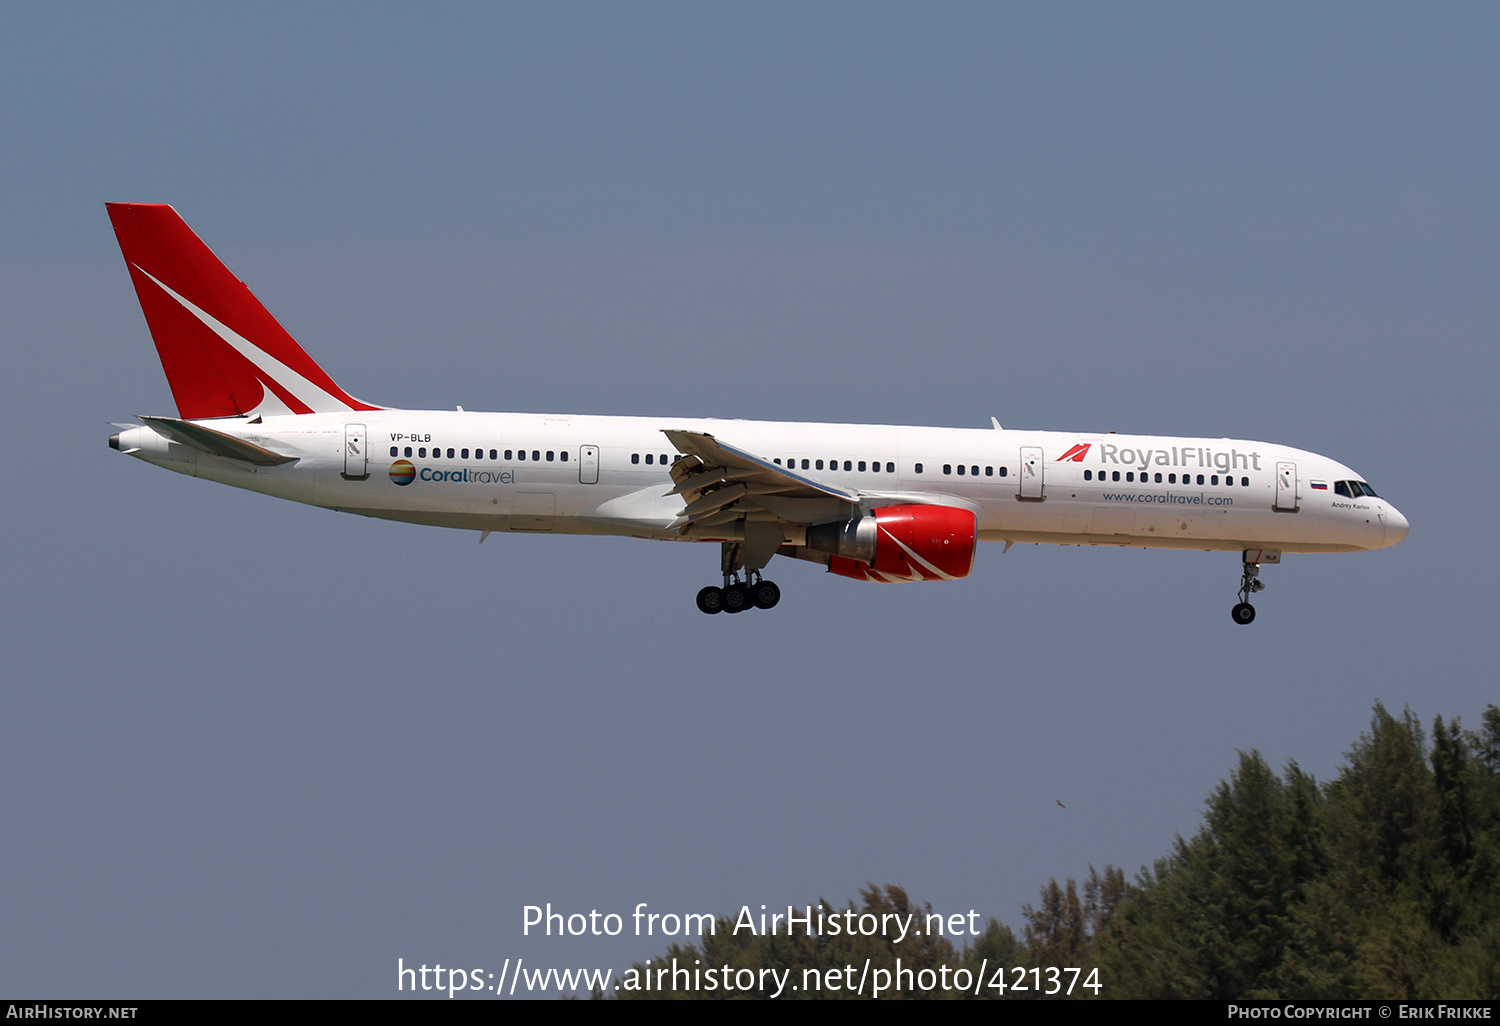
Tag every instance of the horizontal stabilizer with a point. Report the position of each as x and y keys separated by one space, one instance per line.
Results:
x=215 y=443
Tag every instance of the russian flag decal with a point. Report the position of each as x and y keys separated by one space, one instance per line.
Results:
x=1321 y=486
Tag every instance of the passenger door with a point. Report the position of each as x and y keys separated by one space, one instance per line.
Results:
x=1032 y=471
x=356 y=454
x=588 y=464
x=1286 y=488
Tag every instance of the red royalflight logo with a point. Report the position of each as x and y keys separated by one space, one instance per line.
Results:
x=1077 y=453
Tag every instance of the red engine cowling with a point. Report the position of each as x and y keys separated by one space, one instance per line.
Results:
x=911 y=543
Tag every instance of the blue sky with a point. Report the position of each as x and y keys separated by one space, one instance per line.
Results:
x=257 y=749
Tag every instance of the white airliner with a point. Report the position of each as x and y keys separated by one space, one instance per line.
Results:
x=870 y=502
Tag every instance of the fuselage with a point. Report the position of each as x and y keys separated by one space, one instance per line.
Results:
x=871 y=502
x=575 y=474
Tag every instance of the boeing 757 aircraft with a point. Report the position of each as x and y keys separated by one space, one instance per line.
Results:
x=870 y=502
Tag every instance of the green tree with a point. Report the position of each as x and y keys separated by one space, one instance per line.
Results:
x=1383 y=883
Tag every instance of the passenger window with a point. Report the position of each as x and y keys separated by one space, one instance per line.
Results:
x=819 y=464
x=408 y=450
x=1214 y=479
x=422 y=452
x=804 y=464
x=1158 y=478
x=1171 y=479
x=989 y=471
x=1004 y=471
x=919 y=468
x=960 y=470
x=1130 y=475
x=848 y=464
x=509 y=455
x=650 y=459
x=947 y=468
x=494 y=454
x=1116 y=476
x=535 y=455
x=861 y=466
x=1200 y=478
x=465 y=454
x=1244 y=482
x=393 y=450
x=450 y=454
x=1088 y=475
x=549 y=455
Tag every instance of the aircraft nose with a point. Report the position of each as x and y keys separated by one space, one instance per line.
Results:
x=1396 y=527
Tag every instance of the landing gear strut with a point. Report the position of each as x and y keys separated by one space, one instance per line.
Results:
x=743 y=589
x=1250 y=583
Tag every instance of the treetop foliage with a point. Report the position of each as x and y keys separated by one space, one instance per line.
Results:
x=1383 y=883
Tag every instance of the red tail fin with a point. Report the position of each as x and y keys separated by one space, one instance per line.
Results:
x=223 y=353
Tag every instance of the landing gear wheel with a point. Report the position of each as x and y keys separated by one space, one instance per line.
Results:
x=1243 y=613
x=765 y=594
x=736 y=599
x=711 y=599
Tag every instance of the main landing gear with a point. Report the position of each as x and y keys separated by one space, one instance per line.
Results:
x=1250 y=583
x=737 y=596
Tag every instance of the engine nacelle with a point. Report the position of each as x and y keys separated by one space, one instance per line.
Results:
x=900 y=543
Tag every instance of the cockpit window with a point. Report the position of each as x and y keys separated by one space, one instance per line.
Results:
x=1342 y=488
x=1364 y=486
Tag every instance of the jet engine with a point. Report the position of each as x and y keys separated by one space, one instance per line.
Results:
x=900 y=543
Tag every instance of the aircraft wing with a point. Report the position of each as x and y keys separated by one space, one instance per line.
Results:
x=720 y=483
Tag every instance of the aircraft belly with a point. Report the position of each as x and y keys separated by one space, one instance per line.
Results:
x=1112 y=525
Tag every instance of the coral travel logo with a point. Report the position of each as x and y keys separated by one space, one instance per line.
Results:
x=403 y=472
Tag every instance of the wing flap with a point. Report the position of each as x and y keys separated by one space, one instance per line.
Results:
x=721 y=455
x=721 y=483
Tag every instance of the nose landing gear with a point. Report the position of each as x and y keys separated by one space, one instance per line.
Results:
x=1250 y=582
